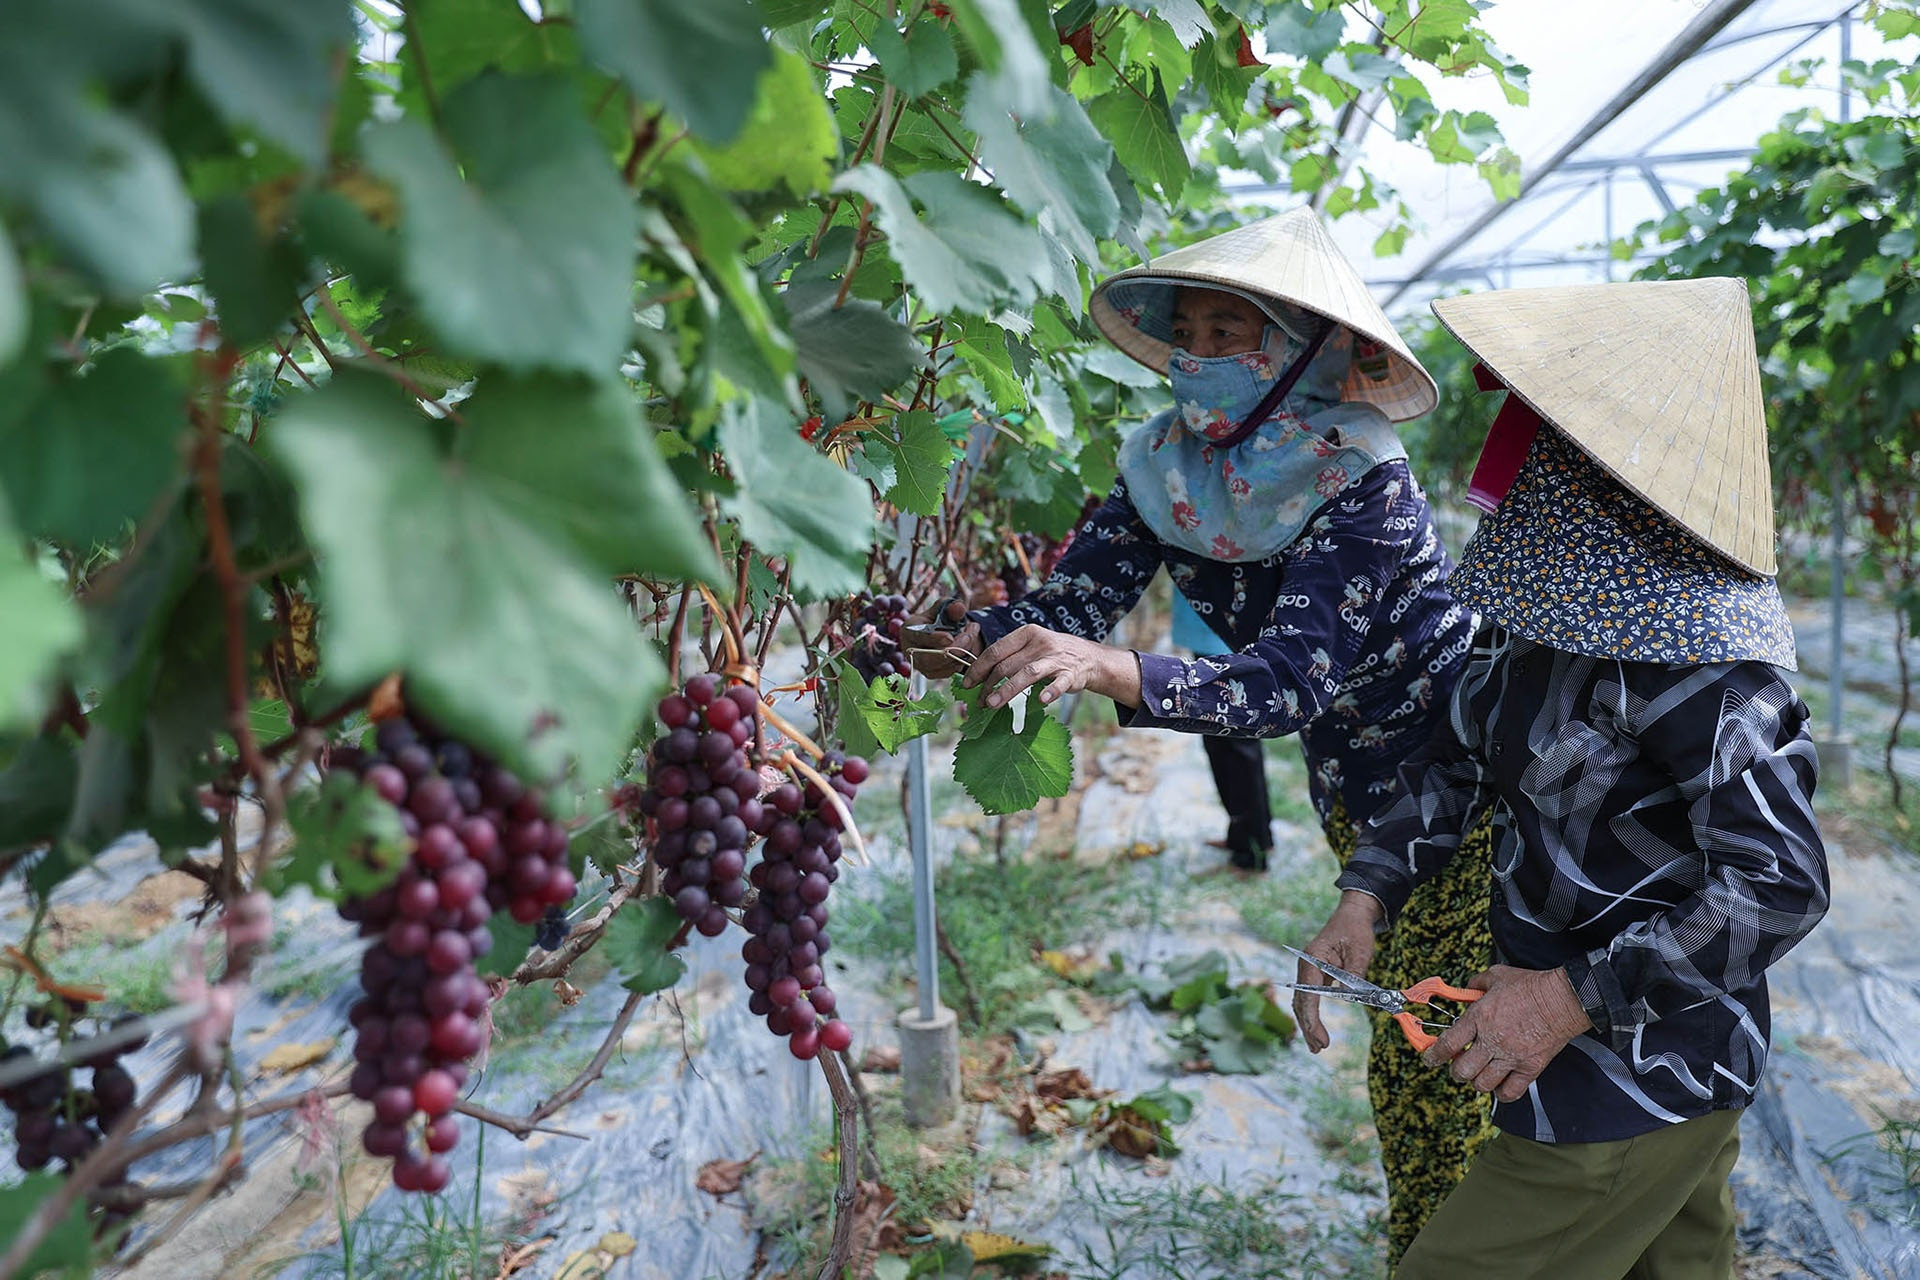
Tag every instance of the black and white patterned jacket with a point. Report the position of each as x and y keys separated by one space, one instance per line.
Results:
x=1654 y=836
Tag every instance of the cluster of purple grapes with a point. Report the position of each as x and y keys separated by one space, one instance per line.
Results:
x=875 y=651
x=703 y=796
x=482 y=842
x=53 y=1117
x=788 y=921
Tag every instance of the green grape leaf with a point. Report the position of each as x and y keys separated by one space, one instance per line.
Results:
x=435 y=563
x=99 y=186
x=41 y=625
x=347 y=841
x=1051 y=160
x=36 y=792
x=90 y=453
x=1009 y=53
x=528 y=259
x=790 y=137
x=255 y=283
x=853 y=350
x=269 y=64
x=68 y=1247
x=923 y=457
x=1008 y=772
x=793 y=502
x=1187 y=18
x=890 y=717
x=850 y=722
x=786 y=13
x=13 y=301
x=511 y=942
x=1294 y=27
x=637 y=945
x=966 y=251
x=1216 y=65
x=699 y=58
x=575 y=456
x=920 y=61
x=1140 y=126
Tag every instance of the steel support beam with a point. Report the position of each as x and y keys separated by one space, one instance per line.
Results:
x=1709 y=23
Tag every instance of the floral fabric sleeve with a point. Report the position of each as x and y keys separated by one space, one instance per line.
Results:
x=1317 y=626
x=1113 y=558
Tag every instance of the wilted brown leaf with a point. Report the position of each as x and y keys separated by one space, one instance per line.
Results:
x=287 y=1058
x=723 y=1177
x=1063 y=1083
x=1130 y=1133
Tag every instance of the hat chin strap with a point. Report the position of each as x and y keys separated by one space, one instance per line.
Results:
x=1507 y=443
x=1277 y=393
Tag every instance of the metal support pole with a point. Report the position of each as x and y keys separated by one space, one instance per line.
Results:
x=920 y=841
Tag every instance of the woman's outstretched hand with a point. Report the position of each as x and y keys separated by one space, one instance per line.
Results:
x=1346 y=942
x=1020 y=659
x=936 y=653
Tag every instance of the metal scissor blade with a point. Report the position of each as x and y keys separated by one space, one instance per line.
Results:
x=1370 y=996
x=1353 y=980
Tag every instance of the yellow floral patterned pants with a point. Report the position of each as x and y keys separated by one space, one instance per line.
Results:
x=1430 y=1124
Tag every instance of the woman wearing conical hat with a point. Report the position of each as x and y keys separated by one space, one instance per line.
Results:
x=1278 y=498
x=1627 y=720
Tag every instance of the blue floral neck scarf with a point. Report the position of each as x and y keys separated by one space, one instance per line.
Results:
x=1250 y=500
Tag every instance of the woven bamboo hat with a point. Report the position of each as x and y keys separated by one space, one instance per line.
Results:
x=1291 y=258
x=1657 y=381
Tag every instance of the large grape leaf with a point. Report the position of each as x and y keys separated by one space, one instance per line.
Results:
x=528 y=260
x=1005 y=771
x=920 y=61
x=268 y=63
x=13 y=301
x=966 y=251
x=1008 y=48
x=438 y=564
x=790 y=137
x=86 y=454
x=67 y=1248
x=1052 y=160
x=40 y=625
x=922 y=458
x=793 y=502
x=700 y=58
x=576 y=457
x=885 y=711
x=854 y=349
x=1140 y=126
x=347 y=841
x=100 y=186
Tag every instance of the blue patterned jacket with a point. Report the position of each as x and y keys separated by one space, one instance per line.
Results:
x=1347 y=636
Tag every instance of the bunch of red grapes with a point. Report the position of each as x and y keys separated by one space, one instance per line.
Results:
x=703 y=796
x=482 y=842
x=875 y=651
x=709 y=806
x=798 y=865
x=53 y=1118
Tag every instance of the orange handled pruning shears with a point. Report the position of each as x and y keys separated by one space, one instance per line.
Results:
x=1360 y=991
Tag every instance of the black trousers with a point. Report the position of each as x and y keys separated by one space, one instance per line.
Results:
x=1240 y=775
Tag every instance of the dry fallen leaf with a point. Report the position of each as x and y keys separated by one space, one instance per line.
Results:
x=880 y=1059
x=287 y=1058
x=722 y=1177
x=516 y=1260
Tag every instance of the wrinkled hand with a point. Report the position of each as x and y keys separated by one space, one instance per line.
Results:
x=938 y=654
x=1345 y=941
x=1023 y=658
x=1507 y=1037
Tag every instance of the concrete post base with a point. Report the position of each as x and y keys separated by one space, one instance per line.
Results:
x=929 y=1067
x=1836 y=763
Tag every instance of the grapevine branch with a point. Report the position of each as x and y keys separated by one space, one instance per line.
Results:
x=523 y=1127
x=845 y=1112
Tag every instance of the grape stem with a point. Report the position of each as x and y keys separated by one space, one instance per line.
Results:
x=846 y=1115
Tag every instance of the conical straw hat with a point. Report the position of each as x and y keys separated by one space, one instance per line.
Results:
x=1290 y=257
x=1658 y=381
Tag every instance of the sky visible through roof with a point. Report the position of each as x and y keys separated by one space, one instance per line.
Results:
x=1711 y=108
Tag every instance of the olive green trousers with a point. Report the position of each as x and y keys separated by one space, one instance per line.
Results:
x=1654 y=1207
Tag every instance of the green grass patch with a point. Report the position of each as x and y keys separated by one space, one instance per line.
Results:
x=1173 y=1230
x=997 y=915
x=1338 y=1113
x=138 y=978
x=1287 y=909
